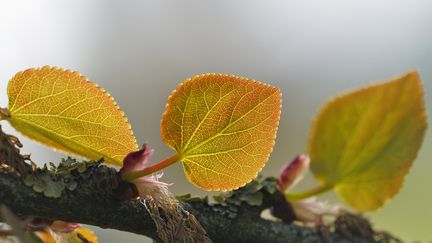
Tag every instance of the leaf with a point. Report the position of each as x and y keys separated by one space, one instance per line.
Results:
x=363 y=143
x=223 y=128
x=65 y=111
x=46 y=235
x=80 y=235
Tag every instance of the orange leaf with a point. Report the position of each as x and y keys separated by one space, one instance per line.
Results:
x=223 y=128
x=79 y=235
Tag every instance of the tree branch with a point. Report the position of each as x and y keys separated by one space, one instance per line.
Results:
x=97 y=200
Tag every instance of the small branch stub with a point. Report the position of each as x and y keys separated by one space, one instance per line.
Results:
x=4 y=113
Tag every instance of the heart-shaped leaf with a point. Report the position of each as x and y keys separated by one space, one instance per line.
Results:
x=65 y=111
x=223 y=128
x=363 y=143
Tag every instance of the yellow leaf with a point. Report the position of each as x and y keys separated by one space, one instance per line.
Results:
x=223 y=128
x=46 y=235
x=364 y=142
x=79 y=235
x=65 y=111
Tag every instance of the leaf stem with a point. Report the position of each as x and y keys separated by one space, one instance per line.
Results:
x=153 y=168
x=4 y=113
x=293 y=196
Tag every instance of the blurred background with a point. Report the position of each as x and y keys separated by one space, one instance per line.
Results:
x=140 y=50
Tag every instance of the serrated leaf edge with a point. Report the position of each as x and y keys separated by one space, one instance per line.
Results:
x=80 y=76
x=278 y=91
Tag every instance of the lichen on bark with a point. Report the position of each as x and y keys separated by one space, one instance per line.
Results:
x=101 y=198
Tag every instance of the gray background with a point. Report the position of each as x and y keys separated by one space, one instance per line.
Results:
x=140 y=50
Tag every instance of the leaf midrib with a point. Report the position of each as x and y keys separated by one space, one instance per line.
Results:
x=24 y=121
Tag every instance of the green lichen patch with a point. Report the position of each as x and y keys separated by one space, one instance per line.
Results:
x=189 y=198
x=53 y=180
x=252 y=193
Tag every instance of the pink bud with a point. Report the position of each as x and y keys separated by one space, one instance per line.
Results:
x=146 y=185
x=64 y=227
x=293 y=172
x=137 y=160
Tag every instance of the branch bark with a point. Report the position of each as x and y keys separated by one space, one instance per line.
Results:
x=97 y=201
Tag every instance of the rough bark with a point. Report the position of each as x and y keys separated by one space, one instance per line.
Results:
x=98 y=199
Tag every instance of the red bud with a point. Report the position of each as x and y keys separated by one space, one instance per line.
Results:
x=293 y=172
x=137 y=160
